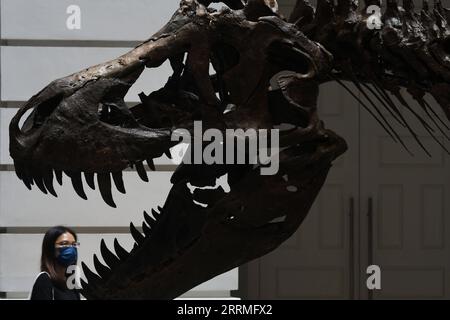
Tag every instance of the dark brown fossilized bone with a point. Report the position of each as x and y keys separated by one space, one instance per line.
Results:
x=411 y=50
x=268 y=73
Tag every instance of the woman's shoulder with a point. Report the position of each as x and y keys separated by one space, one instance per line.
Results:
x=42 y=287
x=43 y=278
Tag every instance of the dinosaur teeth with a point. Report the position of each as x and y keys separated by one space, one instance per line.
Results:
x=19 y=168
x=48 y=181
x=104 y=184
x=58 y=175
x=142 y=97
x=89 y=177
x=102 y=270
x=21 y=172
x=148 y=219
x=26 y=182
x=91 y=277
x=77 y=183
x=151 y=164
x=86 y=291
x=120 y=251
x=37 y=178
x=118 y=181
x=40 y=184
x=27 y=177
x=137 y=236
x=109 y=257
x=146 y=229
x=141 y=171
x=155 y=215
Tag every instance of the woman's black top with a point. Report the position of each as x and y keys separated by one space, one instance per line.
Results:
x=44 y=289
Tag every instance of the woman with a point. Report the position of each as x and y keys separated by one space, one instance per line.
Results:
x=59 y=251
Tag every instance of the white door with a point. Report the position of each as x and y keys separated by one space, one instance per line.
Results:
x=405 y=202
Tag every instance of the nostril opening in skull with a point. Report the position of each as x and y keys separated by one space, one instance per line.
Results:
x=40 y=113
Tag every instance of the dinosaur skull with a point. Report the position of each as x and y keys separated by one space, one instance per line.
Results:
x=267 y=74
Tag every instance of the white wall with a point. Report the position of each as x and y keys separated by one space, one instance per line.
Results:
x=37 y=48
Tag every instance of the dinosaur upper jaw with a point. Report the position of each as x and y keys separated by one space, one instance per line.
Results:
x=89 y=131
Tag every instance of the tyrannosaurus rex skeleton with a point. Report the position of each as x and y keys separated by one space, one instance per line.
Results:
x=267 y=72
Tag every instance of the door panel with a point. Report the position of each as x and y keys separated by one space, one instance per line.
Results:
x=411 y=195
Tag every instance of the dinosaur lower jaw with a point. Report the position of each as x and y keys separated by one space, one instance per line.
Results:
x=186 y=244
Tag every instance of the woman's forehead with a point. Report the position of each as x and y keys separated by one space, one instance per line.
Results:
x=67 y=236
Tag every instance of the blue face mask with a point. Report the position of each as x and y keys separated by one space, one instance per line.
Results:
x=67 y=256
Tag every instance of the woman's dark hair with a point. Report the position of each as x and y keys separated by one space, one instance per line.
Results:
x=48 y=257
